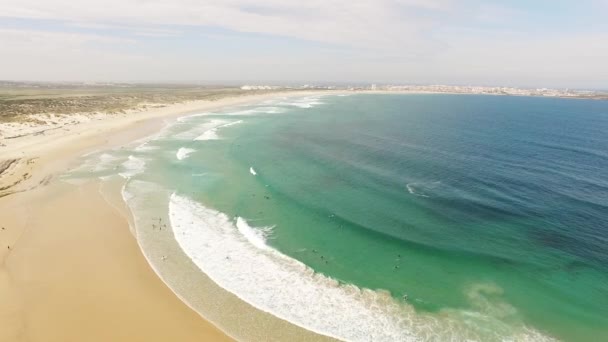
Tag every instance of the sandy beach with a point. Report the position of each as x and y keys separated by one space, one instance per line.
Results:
x=70 y=268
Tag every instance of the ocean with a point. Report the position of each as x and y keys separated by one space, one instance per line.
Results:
x=382 y=217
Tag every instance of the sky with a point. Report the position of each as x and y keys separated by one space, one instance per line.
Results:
x=525 y=43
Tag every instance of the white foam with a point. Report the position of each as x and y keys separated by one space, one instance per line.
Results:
x=146 y=147
x=256 y=237
x=304 y=102
x=237 y=257
x=104 y=161
x=259 y=110
x=133 y=166
x=230 y=124
x=211 y=133
x=183 y=153
x=422 y=189
x=208 y=135
x=252 y=171
x=192 y=116
x=412 y=190
x=142 y=144
x=97 y=163
x=190 y=131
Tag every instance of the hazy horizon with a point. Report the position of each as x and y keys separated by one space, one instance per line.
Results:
x=557 y=44
x=277 y=83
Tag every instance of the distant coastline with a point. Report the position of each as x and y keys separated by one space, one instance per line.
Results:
x=453 y=89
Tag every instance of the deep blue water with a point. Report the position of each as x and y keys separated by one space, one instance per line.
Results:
x=511 y=191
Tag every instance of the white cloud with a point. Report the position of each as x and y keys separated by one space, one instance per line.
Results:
x=13 y=38
x=363 y=23
x=136 y=30
x=446 y=41
x=39 y=55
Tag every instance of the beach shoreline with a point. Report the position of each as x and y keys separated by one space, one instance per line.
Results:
x=67 y=254
x=81 y=214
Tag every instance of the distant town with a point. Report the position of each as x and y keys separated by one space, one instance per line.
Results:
x=451 y=89
x=190 y=88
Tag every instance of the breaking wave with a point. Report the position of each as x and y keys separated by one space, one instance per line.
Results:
x=305 y=102
x=183 y=153
x=211 y=133
x=133 y=166
x=237 y=257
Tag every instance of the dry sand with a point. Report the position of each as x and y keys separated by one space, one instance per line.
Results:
x=70 y=269
x=76 y=274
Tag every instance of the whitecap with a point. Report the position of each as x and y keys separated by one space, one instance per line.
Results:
x=190 y=131
x=211 y=133
x=256 y=236
x=412 y=190
x=183 y=153
x=252 y=171
x=422 y=189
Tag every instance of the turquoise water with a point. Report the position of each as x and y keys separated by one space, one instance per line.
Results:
x=474 y=217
